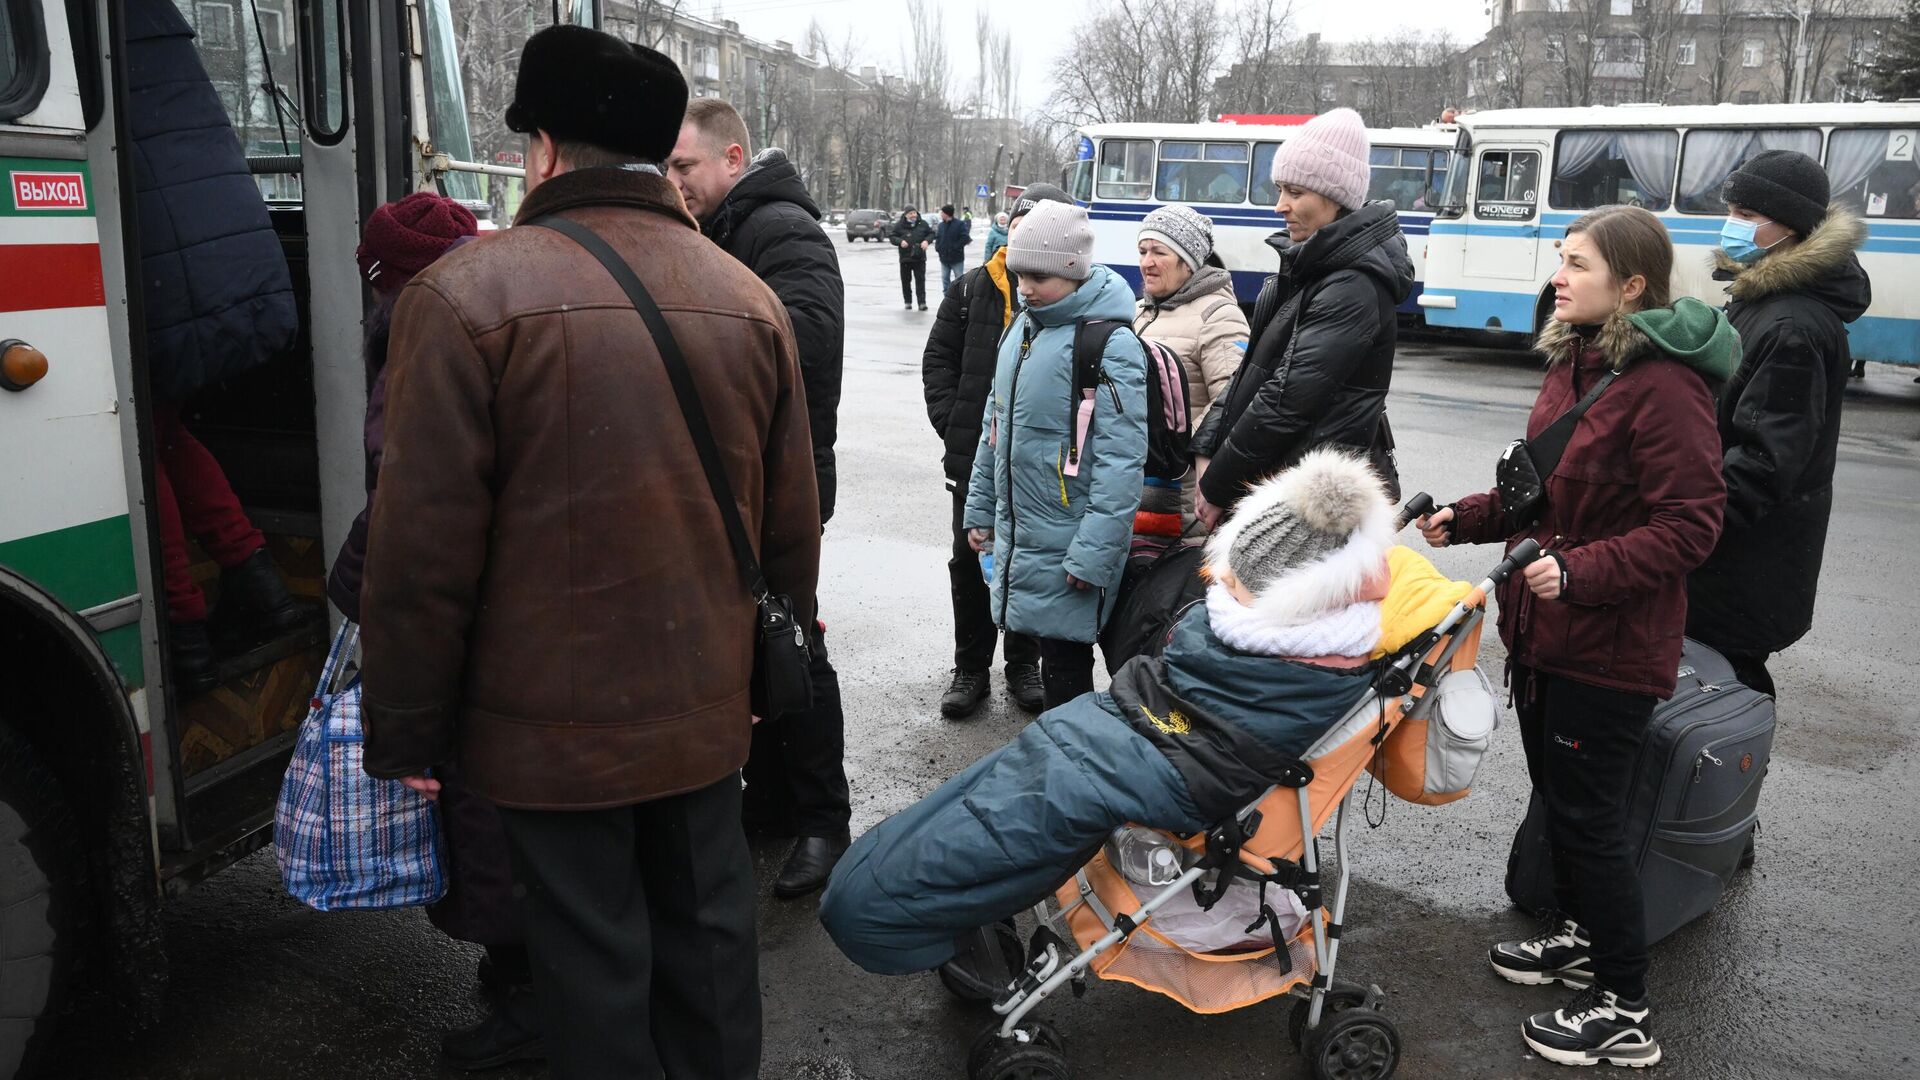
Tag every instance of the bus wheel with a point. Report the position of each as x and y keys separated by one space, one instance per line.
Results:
x=42 y=904
x=1543 y=312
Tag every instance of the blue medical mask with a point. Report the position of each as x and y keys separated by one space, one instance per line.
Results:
x=1736 y=239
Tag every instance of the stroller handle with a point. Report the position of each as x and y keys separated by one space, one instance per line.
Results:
x=1417 y=506
x=1524 y=552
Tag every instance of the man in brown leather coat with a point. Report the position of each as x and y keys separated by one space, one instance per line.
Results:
x=549 y=597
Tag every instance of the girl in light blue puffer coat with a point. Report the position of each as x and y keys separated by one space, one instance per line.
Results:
x=1056 y=481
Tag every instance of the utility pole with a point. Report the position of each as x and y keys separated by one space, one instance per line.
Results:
x=993 y=181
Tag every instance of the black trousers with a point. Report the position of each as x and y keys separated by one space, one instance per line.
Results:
x=640 y=925
x=796 y=771
x=974 y=632
x=1751 y=670
x=1066 y=670
x=913 y=278
x=1582 y=743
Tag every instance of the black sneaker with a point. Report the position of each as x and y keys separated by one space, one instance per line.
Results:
x=1560 y=953
x=964 y=694
x=1596 y=1027
x=511 y=1032
x=1023 y=683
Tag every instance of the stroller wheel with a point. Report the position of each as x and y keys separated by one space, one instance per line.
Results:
x=991 y=961
x=1358 y=1044
x=1341 y=997
x=1042 y=1057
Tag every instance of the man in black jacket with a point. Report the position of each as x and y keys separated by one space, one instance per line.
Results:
x=761 y=214
x=957 y=371
x=951 y=245
x=912 y=236
x=1795 y=284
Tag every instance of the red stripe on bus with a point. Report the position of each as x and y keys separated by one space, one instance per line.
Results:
x=43 y=276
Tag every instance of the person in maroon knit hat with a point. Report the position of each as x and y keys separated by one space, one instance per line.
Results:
x=401 y=239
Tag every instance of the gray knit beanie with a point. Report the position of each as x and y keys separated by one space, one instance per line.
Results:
x=1055 y=239
x=1310 y=540
x=1187 y=231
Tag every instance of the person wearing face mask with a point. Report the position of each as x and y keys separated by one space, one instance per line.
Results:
x=1794 y=283
x=1324 y=328
x=1593 y=626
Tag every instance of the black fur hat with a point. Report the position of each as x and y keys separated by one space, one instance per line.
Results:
x=580 y=85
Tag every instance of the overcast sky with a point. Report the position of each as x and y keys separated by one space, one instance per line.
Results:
x=1042 y=28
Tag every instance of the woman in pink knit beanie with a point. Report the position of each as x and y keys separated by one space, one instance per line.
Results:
x=1324 y=328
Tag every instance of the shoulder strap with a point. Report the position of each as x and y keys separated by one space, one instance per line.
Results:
x=683 y=388
x=1552 y=443
x=1090 y=337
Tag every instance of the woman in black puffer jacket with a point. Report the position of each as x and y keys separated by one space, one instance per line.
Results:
x=1323 y=330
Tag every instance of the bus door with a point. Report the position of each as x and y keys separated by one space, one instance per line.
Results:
x=1503 y=233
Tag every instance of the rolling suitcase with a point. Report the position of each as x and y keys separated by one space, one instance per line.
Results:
x=1693 y=802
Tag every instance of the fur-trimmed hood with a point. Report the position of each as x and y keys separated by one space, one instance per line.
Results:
x=1689 y=331
x=1822 y=265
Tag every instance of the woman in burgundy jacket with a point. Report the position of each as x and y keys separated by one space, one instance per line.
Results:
x=1593 y=627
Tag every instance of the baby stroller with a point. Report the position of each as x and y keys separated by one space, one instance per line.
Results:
x=1100 y=922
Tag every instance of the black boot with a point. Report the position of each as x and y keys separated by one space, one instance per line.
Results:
x=1023 y=683
x=810 y=864
x=254 y=605
x=511 y=1032
x=190 y=659
x=964 y=694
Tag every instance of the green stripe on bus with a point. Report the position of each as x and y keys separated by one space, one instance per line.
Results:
x=10 y=165
x=85 y=566
x=122 y=646
x=82 y=566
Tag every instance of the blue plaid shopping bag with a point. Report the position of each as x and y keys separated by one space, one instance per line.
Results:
x=346 y=840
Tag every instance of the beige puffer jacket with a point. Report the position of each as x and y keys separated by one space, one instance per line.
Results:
x=1203 y=324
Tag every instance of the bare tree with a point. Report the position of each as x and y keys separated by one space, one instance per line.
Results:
x=1257 y=79
x=1407 y=76
x=1504 y=76
x=1583 y=48
x=1661 y=25
x=1107 y=75
x=648 y=22
x=1720 y=65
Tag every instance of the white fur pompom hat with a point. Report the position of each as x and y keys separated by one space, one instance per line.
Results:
x=1309 y=541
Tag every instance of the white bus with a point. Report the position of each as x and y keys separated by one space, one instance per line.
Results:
x=1223 y=170
x=117 y=792
x=1521 y=176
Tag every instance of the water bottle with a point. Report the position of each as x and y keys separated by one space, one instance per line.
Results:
x=986 y=562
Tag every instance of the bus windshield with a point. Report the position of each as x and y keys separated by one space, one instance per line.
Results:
x=1453 y=201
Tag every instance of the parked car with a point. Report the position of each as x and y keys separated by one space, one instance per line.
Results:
x=868 y=225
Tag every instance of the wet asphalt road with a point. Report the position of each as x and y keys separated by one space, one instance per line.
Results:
x=1806 y=969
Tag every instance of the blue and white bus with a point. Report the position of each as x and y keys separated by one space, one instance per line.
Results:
x=1123 y=171
x=1521 y=176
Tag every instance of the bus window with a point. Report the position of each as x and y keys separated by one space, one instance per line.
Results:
x=1459 y=165
x=23 y=64
x=1601 y=168
x=1874 y=171
x=1509 y=185
x=1401 y=176
x=1126 y=169
x=1710 y=156
x=324 y=75
x=251 y=62
x=1264 y=193
x=1077 y=179
x=447 y=105
x=1195 y=172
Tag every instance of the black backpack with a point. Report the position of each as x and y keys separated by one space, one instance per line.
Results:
x=1169 y=431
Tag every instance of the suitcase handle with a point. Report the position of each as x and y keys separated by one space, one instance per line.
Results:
x=1523 y=553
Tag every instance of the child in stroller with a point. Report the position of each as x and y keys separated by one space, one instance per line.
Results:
x=1287 y=646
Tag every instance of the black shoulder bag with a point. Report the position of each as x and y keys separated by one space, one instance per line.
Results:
x=782 y=682
x=1525 y=465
